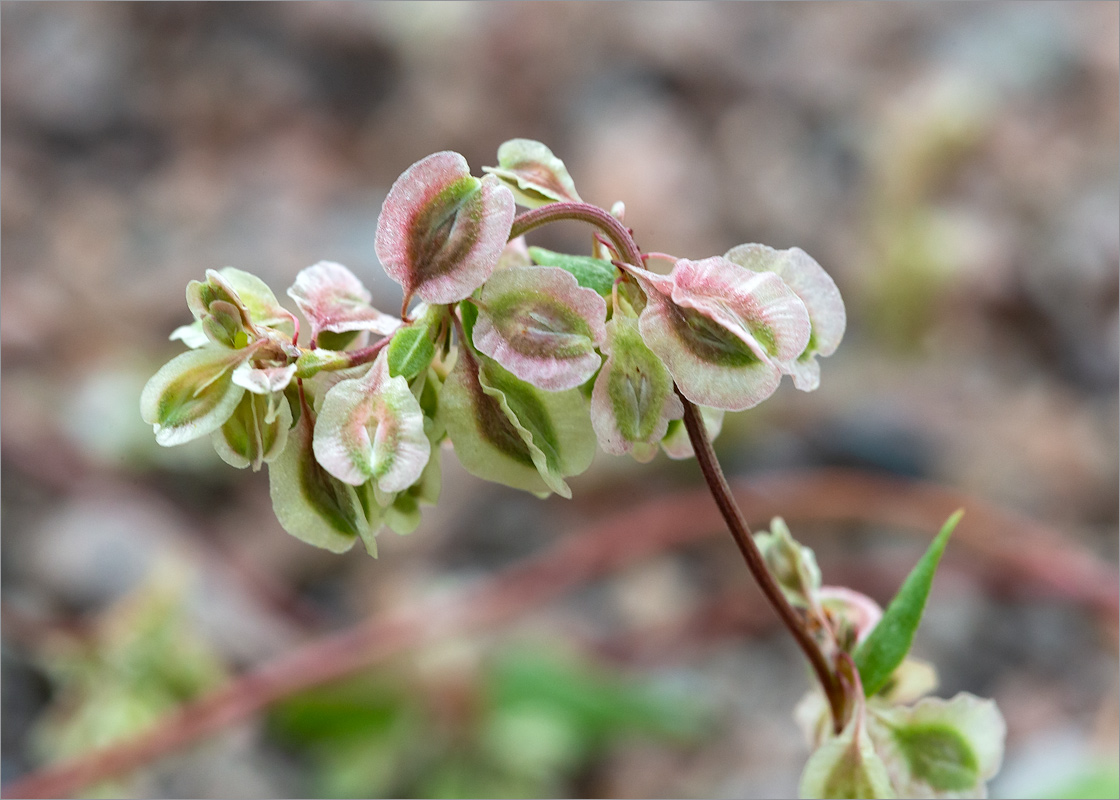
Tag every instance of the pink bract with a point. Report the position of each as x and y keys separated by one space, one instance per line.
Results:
x=441 y=230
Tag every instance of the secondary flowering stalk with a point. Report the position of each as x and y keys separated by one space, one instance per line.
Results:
x=740 y=532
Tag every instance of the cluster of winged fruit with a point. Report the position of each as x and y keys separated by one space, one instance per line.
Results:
x=523 y=358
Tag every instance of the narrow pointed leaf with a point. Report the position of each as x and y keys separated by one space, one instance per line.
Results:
x=889 y=642
x=590 y=273
x=334 y=300
x=720 y=330
x=539 y=324
x=441 y=230
x=309 y=502
x=249 y=438
x=533 y=173
x=632 y=402
x=817 y=291
x=372 y=428
x=193 y=394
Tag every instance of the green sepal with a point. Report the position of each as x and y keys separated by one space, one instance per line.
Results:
x=889 y=642
x=310 y=504
x=590 y=273
x=411 y=350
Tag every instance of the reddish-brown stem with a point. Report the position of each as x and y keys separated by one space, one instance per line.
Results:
x=623 y=240
x=367 y=354
x=741 y=533
x=618 y=233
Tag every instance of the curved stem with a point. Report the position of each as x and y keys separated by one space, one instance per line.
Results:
x=618 y=233
x=367 y=354
x=740 y=532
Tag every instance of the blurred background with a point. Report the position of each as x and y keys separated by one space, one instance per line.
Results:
x=954 y=167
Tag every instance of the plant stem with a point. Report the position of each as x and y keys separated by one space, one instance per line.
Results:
x=367 y=354
x=623 y=240
x=618 y=233
x=740 y=532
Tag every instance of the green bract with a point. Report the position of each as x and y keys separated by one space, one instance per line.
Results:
x=310 y=503
x=633 y=400
x=533 y=173
x=193 y=394
x=372 y=429
x=541 y=325
x=817 y=291
x=412 y=349
x=507 y=431
x=720 y=329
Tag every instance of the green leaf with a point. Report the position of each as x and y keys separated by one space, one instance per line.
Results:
x=590 y=273
x=329 y=340
x=411 y=351
x=890 y=641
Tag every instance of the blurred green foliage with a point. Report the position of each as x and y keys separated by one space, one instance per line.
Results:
x=141 y=662
x=528 y=724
